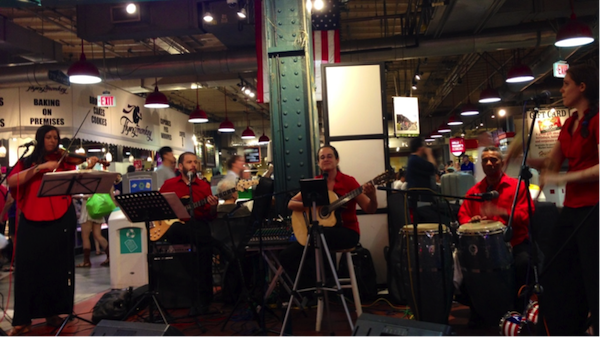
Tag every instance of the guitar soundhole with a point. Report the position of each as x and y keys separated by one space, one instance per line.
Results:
x=324 y=212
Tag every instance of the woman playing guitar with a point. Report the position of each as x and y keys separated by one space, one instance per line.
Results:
x=342 y=236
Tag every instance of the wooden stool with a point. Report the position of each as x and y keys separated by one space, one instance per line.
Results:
x=351 y=282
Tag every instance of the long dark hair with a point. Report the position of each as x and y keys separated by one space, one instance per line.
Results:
x=39 y=151
x=588 y=75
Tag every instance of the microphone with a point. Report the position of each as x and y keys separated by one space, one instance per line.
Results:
x=31 y=143
x=190 y=176
x=487 y=195
x=325 y=175
x=542 y=95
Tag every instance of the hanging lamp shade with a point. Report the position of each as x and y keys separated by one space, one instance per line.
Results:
x=489 y=95
x=443 y=128
x=429 y=138
x=198 y=116
x=83 y=72
x=156 y=100
x=574 y=33
x=454 y=120
x=469 y=109
x=248 y=134
x=226 y=126
x=264 y=139
x=435 y=135
x=519 y=73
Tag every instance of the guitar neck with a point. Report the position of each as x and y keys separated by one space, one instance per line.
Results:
x=349 y=196
x=203 y=202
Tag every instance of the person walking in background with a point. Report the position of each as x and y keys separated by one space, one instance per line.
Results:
x=93 y=226
x=421 y=167
x=166 y=170
x=400 y=183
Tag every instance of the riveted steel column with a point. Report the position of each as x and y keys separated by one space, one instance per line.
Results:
x=294 y=120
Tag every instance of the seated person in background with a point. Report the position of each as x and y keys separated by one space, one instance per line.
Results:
x=467 y=165
x=499 y=210
x=229 y=203
x=400 y=183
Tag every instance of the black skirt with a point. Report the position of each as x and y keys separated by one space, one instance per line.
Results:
x=44 y=267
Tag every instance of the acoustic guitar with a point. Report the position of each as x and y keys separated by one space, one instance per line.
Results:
x=161 y=227
x=327 y=215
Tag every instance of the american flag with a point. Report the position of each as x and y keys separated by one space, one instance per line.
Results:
x=325 y=39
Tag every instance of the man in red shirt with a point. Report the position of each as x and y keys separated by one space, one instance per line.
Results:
x=499 y=209
x=196 y=230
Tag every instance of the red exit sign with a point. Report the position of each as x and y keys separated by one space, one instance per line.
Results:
x=106 y=101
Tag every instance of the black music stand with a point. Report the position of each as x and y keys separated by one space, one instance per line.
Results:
x=75 y=182
x=146 y=207
x=315 y=193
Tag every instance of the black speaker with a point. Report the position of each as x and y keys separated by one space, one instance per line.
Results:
x=175 y=275
x=373 y=325
x=119 y=328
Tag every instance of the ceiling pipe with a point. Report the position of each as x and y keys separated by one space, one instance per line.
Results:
x=244 y=60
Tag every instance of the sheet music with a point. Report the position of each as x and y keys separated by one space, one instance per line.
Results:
x=76 y=182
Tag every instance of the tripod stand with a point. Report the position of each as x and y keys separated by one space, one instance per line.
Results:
x=146 y=207
x=315 y=193
x=69 y=183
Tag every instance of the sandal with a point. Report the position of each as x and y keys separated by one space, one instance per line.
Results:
x=54 y=321
x=19 y=330
x=84 y=265
x=106 y=263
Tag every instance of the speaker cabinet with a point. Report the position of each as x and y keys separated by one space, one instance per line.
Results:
x=175 y=277
x=119 y=328
x=373 y=325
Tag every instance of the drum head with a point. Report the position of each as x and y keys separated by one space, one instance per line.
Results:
x=485 y=226
x=423 y=228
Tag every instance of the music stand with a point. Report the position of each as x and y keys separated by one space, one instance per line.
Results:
x=75 y=182
x=146 y=207
x=315 y=193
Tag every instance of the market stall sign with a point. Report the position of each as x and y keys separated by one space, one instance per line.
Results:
x=457 y=146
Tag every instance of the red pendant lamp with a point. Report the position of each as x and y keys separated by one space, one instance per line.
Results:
x=574 y=33
x=226 y=126
x=198 y=116
x=156 y=99
x=469 y=109
x=248 y=133
x=519 y=72
x=83 y=71
x=264 y=139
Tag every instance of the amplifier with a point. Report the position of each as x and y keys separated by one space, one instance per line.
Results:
x=175 y=277
x=374 y=325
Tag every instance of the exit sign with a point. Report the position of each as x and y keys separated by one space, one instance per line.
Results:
x=106 y=101
x=559 y=69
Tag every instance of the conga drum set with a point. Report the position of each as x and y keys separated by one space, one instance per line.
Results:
x=486 y=263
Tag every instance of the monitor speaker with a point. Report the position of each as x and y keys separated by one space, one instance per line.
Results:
x=373 y=325
x=120 y=328
x=175 y=275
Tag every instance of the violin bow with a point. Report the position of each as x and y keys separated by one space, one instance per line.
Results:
x=72 y=139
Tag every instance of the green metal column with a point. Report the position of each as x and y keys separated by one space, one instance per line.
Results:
x=294 y=120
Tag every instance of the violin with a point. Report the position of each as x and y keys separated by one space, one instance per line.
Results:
x=71 y=158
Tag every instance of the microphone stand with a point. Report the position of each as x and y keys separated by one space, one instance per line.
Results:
x=12 y=167
x=525 y=175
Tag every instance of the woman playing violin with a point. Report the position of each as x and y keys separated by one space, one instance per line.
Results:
x=44 y=284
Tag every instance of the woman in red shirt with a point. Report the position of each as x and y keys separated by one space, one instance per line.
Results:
x=342 y=236
x=44 y=283
x=571 y=282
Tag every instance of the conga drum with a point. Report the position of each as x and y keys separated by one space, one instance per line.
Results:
x=488 y=268
x=434 y=273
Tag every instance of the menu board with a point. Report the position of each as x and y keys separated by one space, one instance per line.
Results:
x=252 y=154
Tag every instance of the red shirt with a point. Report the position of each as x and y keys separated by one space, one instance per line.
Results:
x=582 y=153
x=506 y=189
x=343 y=185
x=43 y=208
x=201 y=190
x=3 y=196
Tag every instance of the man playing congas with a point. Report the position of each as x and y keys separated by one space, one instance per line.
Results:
x=498 y=210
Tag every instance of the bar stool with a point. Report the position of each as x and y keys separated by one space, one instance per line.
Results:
x=351 y=281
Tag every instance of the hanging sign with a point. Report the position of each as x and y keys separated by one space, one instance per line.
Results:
x=406 y=115
x=457 y=146
x=546 y=129
x=559 y=69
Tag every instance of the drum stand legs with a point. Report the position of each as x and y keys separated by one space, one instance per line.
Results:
x=320 y=243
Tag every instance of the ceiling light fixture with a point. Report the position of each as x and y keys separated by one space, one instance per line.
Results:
x=519 y=72
x=414 y=85
x=574 y=33
x=489 y=95
x=264 y=139
x=131 y=8
x=208 y=17
x=469 y=109
x=226 y=125
x=156 y=99
x=454 y=120
x=198 y=116
x=319 y=5
x=435 y=135
x=248 y=133
x=83 y=71
x=242 y=13
x=443 y=128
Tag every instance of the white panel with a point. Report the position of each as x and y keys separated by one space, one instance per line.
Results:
x=363 y=159
x=354 y=100
x=374 y=237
